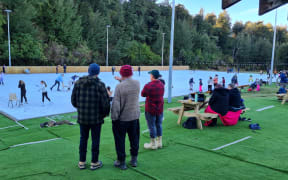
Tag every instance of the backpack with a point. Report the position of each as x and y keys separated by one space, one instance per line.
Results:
x=190 y=123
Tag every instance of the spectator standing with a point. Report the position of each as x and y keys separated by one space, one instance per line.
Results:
x=91 y=100
x=64 y=68
x=1 y=78
x=191 y=82
x=4 y=68
x=22 y=87
x=223 y=81
x=215 y=80
x=139 y=70
x=125 y=115
x=210 y=84
x=154 y=92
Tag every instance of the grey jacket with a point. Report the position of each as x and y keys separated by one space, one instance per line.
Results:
x=125 y=105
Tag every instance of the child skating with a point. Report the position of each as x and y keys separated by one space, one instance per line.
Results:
x=44 y=91
x=200 y=85
x=22 y=87
x=2 y=78
x=191 y=82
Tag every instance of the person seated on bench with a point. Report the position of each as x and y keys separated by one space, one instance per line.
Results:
x=218 y=104
x=229 y=108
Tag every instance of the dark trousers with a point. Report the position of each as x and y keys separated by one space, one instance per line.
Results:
x=45 y=95
x=210 y=88
x=56 y=83
x=23 y=95
x=84 y=135
x=120 y=128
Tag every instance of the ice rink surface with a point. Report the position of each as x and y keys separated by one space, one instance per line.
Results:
x=61 y=100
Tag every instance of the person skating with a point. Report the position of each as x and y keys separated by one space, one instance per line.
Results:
x=125 y=115
x=43 y=88
x=57 y=69
x=139 y=70
x=200 y=85
x=22 y=87
x=191 y=82
x=234 y=80
x=223 y=81
x=4 y=68
x=91 y=100
x=1 y=78
x=210 y=84
x=215 y=80
x=65 y=68
x=113 y=70
x=58 y=81
x=154 y=92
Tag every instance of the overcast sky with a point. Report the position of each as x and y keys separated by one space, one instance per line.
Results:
x=245 y=10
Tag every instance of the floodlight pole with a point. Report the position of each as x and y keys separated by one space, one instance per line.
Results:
x=273 y=49
x=163 y=34
x=8 y=21
x=171 y=54
x=108 y=26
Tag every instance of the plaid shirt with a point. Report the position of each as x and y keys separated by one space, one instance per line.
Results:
x=154 y=92
x=91 y=99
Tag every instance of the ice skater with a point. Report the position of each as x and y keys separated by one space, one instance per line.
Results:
x=191 y=82
x=4 y=68
x=57 y=69
x=223 y=82
x=22 y=87
x=1 y=78
x=113 y=70
x=210 y=84
x=44 y=91
x=74 y=78
x=139 y=70
x=58 y=81
x=200 y=85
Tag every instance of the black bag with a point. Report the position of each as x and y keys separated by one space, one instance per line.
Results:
x=190 y=123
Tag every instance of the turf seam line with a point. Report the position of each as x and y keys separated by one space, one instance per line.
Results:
x=234 y=142
x=262 y=109
x=8 y=127
x=35 y=142
x=231 y=157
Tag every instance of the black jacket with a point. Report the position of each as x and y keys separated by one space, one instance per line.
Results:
x=91 y=99
x=22 y=87
x=235 y=98
x=219 y=101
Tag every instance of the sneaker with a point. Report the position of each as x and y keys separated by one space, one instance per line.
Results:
x=152 y=145
x=95 y=166
x=120 y=165
x=133 y=161
x=82 y=165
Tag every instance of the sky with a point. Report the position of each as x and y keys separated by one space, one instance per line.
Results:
x=245 y=10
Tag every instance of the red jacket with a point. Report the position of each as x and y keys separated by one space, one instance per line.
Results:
x=154 y=92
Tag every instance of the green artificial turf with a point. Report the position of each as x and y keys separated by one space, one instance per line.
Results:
x=187 y=154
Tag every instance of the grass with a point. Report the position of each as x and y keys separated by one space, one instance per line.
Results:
x=186 y=154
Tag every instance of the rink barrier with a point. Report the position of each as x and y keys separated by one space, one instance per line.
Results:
x=75 y=69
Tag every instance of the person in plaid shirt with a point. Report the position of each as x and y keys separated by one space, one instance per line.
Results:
x=91 y=99
x=154 y=92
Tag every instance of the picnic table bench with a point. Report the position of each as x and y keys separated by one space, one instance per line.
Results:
x=188 y=105
x=283 y=97
x=242 y=87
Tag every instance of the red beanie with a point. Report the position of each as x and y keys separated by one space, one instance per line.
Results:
x=126 y=71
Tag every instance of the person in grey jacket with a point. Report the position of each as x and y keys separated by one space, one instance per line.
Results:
x=125 y=115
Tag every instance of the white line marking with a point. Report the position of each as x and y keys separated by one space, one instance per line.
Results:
x=221 y=147
x=262 y=109
x=35 y=142
x=50 y=119
x=8 y=127
x=21 y=125
x=145 y=131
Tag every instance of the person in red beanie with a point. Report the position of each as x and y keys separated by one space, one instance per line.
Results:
x=125 y=115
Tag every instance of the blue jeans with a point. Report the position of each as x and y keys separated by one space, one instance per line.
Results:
x=154 y=123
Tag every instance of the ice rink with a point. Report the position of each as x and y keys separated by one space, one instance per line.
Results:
x=61 y=100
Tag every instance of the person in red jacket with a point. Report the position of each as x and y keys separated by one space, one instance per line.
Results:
x=154 y=92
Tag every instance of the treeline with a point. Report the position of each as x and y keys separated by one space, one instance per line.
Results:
x=50 y=32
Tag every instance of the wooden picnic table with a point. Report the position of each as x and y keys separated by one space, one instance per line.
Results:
x=188 y=105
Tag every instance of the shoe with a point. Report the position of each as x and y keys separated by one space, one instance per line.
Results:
x=120 y=165
x=134 y=161
x=152 y=145
x=82 y=165
x=254 y=126
x=159 y=142
x=95 y=166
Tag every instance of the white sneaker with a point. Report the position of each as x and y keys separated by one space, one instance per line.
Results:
x=152 y=145
x=159 y=142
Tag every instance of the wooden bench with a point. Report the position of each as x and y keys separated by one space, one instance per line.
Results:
x=285 y=98
x=242 y=87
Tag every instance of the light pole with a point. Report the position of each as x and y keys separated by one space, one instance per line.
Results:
x=171 y=54
x=273 y=49
x=108 y=26
x=163 y=34
x=8 y=21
